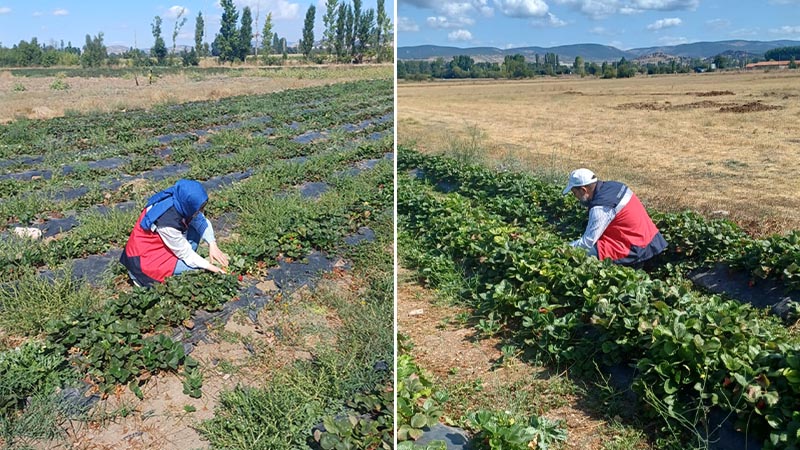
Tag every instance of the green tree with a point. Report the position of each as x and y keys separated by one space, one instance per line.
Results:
x=341 y=33
x=276 y=44
x=307 y=43
x=356 y=25
x=330 y=21
x=246 y=34
x=782 y=53
x=579 y=67
x=266 y=39
x=94 y=51
x=792 y=63
x=383 y=28
x=159 y=50
x=199 y=30
x=226 y=43
x=365 y=32
x=514 y=66
x=180 y=21
x=28 y=53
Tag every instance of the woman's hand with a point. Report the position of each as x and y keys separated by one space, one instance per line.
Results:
x=216 y=269
x=215 y=255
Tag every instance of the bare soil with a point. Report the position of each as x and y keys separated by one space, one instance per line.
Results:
x=240 y=353
x=110 y=94
x=456 y=358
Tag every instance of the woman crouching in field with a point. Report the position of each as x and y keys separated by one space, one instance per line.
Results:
x=165 y=238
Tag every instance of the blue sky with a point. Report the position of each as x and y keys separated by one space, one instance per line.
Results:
x=123 y=21
x=623 y=24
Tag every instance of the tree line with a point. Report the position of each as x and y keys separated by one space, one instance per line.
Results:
x=351 y=35
x=516 y=66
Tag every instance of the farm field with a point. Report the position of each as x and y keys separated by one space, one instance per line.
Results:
x=297 y=335
x=53 y=92
x=618 y=358
x=715 y=143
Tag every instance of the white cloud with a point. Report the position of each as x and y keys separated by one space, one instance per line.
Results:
x=455 y=9
x=598 y=9
x=602 y=31
x=444 y=22
x=664 y=23
x=37 y=14
x=628 y=11
x=718 y=24
x=407 y=25
x=595 y=9
x=522 y=8
x=5 y=10
x=420 y=3
x=457 y=12
x=550 y=21
x=173 y=12
x=61 y=12
x=281 y=9
x=459 y=36
x=665 y=5
x=673 y=40
x=786 y=30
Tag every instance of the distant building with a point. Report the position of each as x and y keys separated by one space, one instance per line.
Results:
x=768 y=65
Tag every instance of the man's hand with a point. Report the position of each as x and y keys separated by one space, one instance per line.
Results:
x=215 y=255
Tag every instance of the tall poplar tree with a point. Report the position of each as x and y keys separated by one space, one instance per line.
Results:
x=246 y=34
x=199 y=31
x=307 y=43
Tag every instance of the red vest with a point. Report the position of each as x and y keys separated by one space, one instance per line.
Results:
x=145 y=253
x=632 y=226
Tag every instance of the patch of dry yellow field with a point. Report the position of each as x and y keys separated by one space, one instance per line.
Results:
x=108 y=94
x=666 y=136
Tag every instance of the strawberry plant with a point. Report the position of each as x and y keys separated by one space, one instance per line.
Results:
x=693 y=352
x=418 y=404
x=504 y=431
x=368 y=423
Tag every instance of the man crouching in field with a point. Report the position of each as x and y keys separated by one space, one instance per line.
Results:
x=619 y=228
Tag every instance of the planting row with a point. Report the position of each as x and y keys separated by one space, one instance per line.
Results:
x=693 y=240
x=39 y=207
x=60 y=171
x=693 y=353
x=89 y=131
x=97 y=231
x=124 y=342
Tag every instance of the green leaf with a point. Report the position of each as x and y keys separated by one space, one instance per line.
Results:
x=418 y=421
x=134 y=387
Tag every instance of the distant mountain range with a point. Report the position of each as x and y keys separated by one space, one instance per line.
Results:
x=594 y=52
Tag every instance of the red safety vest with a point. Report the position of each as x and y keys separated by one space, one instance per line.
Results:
x=632 y=226
x=147 y=254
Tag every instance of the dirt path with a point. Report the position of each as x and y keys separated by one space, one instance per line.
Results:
x=467 y=368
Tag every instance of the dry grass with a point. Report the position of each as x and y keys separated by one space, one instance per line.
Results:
x=666 y=136
x=107 y=94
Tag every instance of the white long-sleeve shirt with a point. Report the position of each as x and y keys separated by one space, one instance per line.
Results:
x=179 y=245
x=599 y=219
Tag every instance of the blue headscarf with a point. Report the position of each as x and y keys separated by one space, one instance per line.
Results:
x=187 y=196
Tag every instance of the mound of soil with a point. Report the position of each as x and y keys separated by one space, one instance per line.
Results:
x=713 y=93
x=697 y=105
x=642 y=106
x=749 y=107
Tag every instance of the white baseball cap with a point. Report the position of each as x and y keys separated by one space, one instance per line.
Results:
x=578 y=178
